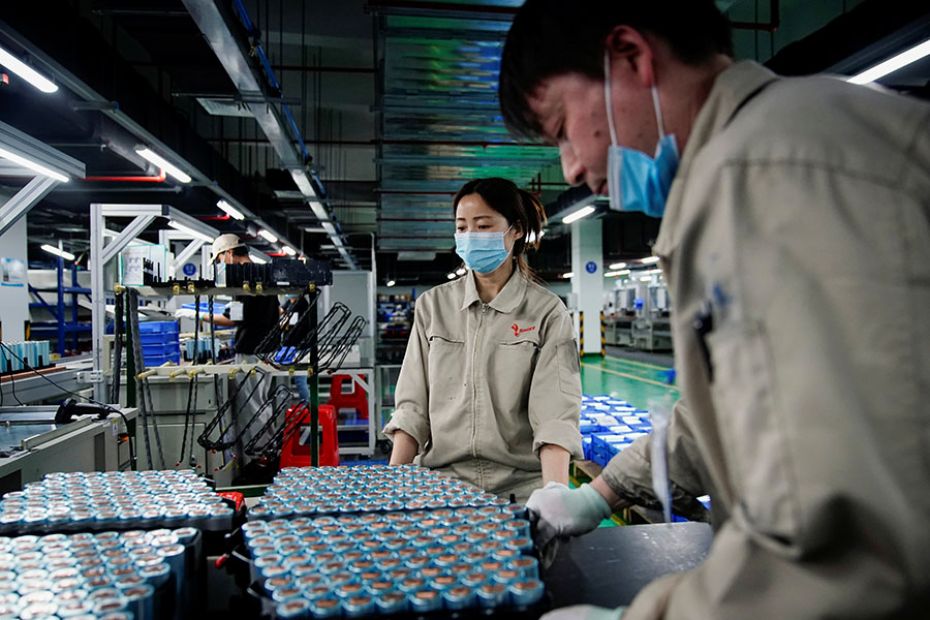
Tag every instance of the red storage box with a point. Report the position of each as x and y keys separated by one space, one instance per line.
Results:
x=296 y=449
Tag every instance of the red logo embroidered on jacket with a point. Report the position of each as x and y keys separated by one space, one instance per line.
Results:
x=517 y=330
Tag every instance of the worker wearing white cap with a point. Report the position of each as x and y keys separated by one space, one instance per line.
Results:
x=227 y=244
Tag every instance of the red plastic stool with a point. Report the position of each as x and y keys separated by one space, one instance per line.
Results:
x=296 y=449
x=356 y=400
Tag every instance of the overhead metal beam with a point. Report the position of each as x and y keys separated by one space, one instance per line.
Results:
x=219 y=36
x=26 y=198
x=94 y=100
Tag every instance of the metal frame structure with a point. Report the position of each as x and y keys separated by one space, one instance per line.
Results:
x=15 y=141
x=102 y=253
x=219 y=36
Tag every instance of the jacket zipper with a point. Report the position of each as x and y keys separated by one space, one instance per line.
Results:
x=474 y=387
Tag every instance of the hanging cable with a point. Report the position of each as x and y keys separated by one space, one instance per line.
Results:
x=118 y=329
x=105 y=407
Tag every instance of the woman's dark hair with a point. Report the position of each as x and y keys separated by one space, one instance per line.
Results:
x=521 y=209
x=240 y=251
x=555 y=37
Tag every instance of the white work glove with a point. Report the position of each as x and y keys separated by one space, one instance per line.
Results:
x=584 y=612
x=184 y=313
x=560 y=511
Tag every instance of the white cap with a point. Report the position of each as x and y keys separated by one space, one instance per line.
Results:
x=223 y=243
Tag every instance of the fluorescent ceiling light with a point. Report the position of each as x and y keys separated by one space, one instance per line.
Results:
x=26 y=72
x=51 y=249
x=653 y=272
x=196 y=234
x=289 y=250
x=567 y=276
x=579 y=214
x=617 y=273
x=616 y=266
x=258 y=260
x=646 y=279
x=315 y=229
x=531 y=237
x=893 y=64
x=450 y=276
x=230 y=210
x=649 y=260
x=267 y=236
x=35 y=167
x=391 y=283
x=460 y=271
x=164 y=164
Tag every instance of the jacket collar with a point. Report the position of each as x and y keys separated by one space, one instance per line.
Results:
x=733 y=88
x=506 y=301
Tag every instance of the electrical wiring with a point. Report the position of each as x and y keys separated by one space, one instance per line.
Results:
x=191 y=393
x=145 y=392
x=26 y=366
x=224 y=409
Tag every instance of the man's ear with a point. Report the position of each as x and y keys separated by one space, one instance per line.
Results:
x=631 y=55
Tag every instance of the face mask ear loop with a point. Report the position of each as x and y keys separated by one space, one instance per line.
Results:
x=659 y=120
x=607 y=101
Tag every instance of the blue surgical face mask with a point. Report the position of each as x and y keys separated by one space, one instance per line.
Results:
x=482 y=251
x=636 y=181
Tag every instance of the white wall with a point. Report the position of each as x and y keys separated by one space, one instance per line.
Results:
x=14 y=301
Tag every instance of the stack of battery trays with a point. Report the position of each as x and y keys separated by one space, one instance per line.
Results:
x=98 y=501
x=362 y=541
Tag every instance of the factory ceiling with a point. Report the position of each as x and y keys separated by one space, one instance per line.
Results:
x=388 y=106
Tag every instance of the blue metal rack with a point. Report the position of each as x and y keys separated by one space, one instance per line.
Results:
x=62 y=327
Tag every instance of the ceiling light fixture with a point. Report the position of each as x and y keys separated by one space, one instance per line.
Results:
x=51 y=249
x=391 y=283
x=460 y=271
x=26 y=72
x=882 y=69
x=230 y=210
x=567 y=276
x=579 y=214
x=649 y=260
x=617 y=266
x=289 y=250
x=258 y=260
x=169 y=168
x=267 y=236
x=196 y=234
x=617 y=273
x=450 y=276
x=34 y=166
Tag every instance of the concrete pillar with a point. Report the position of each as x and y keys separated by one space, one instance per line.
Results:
x=588 y=281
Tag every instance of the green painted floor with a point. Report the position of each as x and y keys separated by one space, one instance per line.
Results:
x=633 y=381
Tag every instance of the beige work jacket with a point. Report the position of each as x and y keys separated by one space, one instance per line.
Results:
x=796 y=245
x=484 y=386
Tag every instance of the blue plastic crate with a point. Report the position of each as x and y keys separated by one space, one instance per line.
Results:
x=159 y=327
x=158 y=338
x=170 y=348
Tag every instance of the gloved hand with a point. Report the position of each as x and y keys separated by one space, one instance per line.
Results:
x=561 y=511
x=184 y=313
x=584 y=612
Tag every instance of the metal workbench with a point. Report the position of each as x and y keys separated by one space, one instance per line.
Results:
x=55 y=382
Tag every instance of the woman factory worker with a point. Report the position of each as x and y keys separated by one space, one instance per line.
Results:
x=490 y=387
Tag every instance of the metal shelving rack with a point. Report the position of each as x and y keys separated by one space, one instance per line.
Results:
x=62 y=327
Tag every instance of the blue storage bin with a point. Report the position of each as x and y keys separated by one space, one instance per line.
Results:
x=158 y=338
x=169 y=348
x=159 y=327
